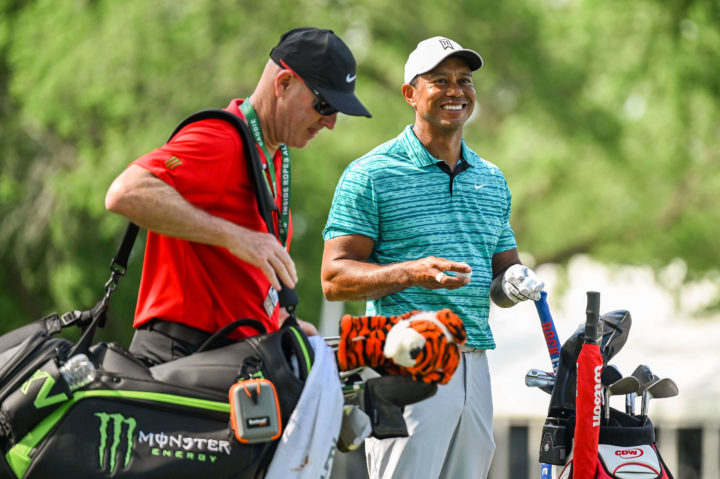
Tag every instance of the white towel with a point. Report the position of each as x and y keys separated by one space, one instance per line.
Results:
x=307 y=446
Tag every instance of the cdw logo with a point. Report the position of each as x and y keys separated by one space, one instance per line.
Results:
x=629 y=453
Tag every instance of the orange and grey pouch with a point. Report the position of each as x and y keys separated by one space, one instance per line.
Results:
x=255 y=411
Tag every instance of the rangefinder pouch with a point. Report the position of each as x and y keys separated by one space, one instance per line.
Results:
x=255 y=411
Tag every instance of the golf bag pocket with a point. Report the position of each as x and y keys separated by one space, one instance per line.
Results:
x=622 y=462
x=35 y=399
x=284 y=357
x=627 y=449
x=254 y=411
x=556 y=442
x=30 y=384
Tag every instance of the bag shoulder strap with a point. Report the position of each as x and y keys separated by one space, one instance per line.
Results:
x=266 y=205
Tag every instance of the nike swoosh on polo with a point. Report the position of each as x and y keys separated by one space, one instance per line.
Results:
x=349 y=78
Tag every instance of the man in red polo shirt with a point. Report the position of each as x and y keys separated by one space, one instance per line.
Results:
x=209 y=257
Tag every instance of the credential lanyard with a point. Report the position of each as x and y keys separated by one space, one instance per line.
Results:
x=269 y=165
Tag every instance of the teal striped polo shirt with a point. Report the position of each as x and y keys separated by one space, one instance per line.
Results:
x=398 y=196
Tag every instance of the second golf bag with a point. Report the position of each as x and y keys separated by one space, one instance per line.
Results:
x=627 y=449
x=627 y=444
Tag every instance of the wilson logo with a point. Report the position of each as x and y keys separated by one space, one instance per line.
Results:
x=629 y=453
x=598 y=396
x=111 y=432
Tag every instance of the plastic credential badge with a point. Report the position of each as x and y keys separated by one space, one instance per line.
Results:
x=254 y=411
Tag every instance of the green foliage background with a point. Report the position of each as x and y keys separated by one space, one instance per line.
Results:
x=604 y=117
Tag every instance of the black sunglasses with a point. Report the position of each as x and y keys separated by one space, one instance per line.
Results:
x=320 y=104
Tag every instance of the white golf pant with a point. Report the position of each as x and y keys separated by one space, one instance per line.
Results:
x=450 y=434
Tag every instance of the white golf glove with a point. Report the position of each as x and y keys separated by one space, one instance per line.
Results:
x=520 y=283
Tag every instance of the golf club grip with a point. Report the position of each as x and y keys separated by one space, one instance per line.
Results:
x=552 y=339
x=592 y=314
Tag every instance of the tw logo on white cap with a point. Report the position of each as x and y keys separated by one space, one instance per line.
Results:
x=447 y=44
x=430 y=52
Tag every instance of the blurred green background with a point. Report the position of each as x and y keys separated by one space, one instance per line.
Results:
x=603 y=116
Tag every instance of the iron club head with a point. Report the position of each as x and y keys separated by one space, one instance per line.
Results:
x=663 y=388
x=610 y=374
x=643 y=374
x=627 y=385
x=659 y=388
x=536 y=378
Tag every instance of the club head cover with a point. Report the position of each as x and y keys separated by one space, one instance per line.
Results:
x=361 y=341
x=615 y=330
x=425 y=344
x=422 y=345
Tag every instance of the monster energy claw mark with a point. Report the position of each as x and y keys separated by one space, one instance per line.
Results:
x=117 y=430
x=43 y=398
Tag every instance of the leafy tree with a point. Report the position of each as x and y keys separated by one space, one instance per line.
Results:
x=604 y=121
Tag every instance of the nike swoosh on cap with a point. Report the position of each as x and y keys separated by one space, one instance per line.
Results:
x=349 y=78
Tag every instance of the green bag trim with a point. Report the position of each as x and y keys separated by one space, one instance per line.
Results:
x=18 y=457
x=306 y=354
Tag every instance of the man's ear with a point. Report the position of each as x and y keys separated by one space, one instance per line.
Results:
x=283 y=78
x=408 y=92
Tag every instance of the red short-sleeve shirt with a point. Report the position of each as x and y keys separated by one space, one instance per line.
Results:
x=200 y=285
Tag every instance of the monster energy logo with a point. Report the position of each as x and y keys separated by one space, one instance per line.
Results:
x=118 y=420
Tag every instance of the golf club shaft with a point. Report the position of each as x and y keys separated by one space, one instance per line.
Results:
x=630 y=403
x=644 y=406
x=552 y=340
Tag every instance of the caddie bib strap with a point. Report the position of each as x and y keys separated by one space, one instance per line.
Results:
x=255 y=129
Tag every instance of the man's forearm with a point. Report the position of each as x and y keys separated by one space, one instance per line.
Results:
x=353 y=280
x=152 y=204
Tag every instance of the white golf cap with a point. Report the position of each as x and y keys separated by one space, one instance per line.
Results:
x=429 y=53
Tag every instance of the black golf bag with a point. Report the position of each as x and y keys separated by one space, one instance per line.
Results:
x=171 y=420
x=627 y=447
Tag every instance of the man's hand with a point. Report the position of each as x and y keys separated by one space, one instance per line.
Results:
x=520 y=283
x=264 y=251
x=348 y=275
x=429 y=273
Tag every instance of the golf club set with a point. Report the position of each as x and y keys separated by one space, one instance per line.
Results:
x=641 y=383
x=621 y=441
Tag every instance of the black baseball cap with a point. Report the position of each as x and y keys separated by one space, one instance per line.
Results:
x=322 y=60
